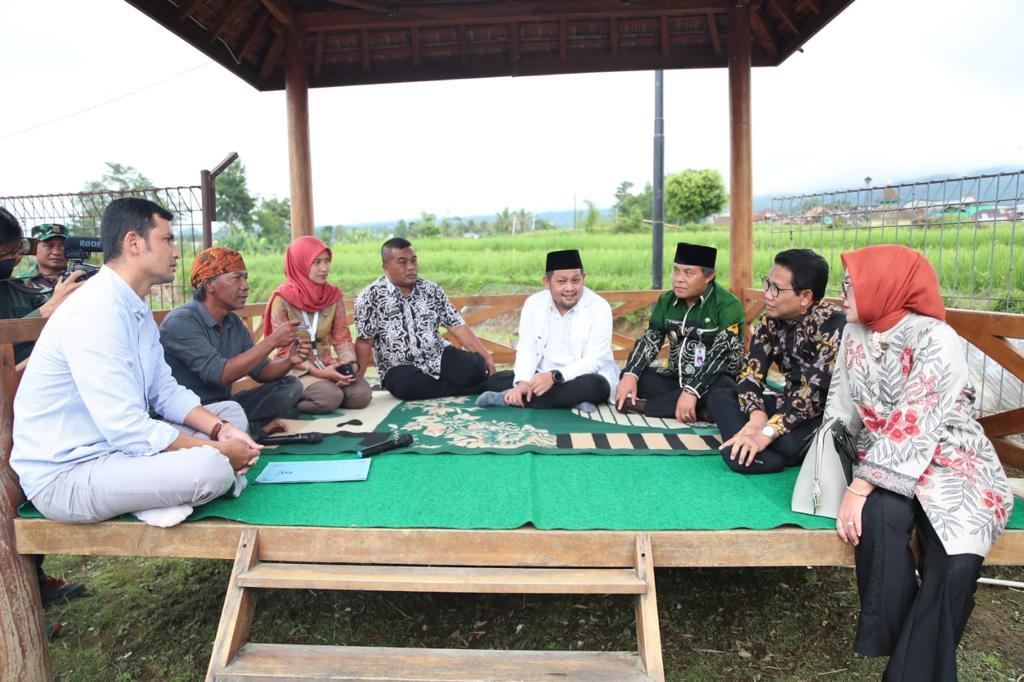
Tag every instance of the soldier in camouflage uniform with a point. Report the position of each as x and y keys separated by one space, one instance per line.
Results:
x=702 y=321
x=51 y=262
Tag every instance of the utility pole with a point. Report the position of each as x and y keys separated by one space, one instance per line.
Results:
x=658 y=200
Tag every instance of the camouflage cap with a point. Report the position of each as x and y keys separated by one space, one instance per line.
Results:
x=49 y=231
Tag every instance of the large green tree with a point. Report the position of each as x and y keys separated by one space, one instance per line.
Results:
x=235 y=204
x=119 y=178
x=693 y=195
x=273 y=221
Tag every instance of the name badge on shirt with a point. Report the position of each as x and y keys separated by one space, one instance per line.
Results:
x=699 y=354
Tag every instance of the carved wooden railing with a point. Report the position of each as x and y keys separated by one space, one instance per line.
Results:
x=989 y=333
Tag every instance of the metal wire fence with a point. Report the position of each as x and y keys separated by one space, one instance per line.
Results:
x=967 y=227
x=81 y=212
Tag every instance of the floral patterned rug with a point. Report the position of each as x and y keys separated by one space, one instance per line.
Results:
x=457 y=426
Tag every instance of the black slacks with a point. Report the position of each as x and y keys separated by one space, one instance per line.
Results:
x=662 y=393
x=268 y=401
x=785 y=451
x=587 y=388
x=917 y=625
x=462 y=373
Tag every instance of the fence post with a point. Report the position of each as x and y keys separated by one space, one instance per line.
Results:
x=208 y=188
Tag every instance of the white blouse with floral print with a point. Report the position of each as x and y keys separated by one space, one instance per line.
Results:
x=905 y=396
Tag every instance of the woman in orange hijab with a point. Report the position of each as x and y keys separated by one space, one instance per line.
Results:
x=901 y=387
x=330 y=377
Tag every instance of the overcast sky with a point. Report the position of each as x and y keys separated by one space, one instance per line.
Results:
x=891 y=89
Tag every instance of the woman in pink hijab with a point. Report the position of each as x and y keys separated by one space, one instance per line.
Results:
x=330 y=377
x=901 y=387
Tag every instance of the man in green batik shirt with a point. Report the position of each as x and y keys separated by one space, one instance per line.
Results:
x=702 y=321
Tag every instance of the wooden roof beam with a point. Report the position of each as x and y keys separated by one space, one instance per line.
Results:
x=282 y=10
x=666 y=45
x=185 y=9
x=231 y=12
x=369 y=5
x=783 y=16
x=498 y=13
x=416 y=59
x=810 y=5
x=272 y=56
x=364 y=42
x=764 y=36
x=254 y=33
x=716 y=39
x=613 y=35
x=513 y=34
x=318 y=59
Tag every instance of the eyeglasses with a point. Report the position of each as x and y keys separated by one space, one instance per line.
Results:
x=772 y=288
x=847 y=287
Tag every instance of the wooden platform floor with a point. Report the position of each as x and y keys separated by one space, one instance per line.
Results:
x=216 y=539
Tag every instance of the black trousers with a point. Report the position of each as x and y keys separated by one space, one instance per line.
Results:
x=462 y=373
x=588 y=388
x=268 y=401
x=785 y=451
x=917 y=626
x=662 y=393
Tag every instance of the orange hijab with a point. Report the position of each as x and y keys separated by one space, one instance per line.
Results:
x=889 y=281
x=298 y=289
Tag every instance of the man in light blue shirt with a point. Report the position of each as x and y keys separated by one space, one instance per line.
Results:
x=86 y=447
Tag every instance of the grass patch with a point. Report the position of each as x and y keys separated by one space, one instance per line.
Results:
x=147 y=619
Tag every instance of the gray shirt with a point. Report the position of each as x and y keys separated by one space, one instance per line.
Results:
x=197 y=349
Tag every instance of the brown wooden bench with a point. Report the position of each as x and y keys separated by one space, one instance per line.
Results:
x=365 y=558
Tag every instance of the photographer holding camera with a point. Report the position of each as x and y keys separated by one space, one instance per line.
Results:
x=209 y=348
x=330 y=377
x=20 y=297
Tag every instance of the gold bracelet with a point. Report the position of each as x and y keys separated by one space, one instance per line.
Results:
x=850 y=488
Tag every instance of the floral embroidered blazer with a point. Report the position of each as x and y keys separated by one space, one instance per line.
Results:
x=905 y=396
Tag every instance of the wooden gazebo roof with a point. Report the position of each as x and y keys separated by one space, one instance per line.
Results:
x=354 y=42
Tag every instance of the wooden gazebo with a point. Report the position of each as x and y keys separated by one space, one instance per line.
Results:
x=297 y=44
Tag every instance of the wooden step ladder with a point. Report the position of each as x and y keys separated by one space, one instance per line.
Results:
x=235 y=659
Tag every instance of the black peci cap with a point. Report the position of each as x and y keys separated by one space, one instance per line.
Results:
x=695 y=254
x=563 y=260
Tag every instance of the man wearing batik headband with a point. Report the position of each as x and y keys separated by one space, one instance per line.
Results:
x=702 y=321
x=209 y=348
x=564 y=355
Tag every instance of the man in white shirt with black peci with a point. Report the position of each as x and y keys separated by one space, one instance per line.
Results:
x=564 y=354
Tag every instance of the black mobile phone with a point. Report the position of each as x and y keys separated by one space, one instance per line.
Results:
x=345 y=369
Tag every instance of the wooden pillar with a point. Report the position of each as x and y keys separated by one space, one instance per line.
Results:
x=299 y=165
x=741 y=185
x=24 y=655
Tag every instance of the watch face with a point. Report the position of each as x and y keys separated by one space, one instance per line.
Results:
x=557 y=376
x=768 y=431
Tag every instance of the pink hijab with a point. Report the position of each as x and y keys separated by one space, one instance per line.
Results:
x=298 y=289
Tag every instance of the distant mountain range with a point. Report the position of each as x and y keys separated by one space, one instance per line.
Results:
x=564 y=219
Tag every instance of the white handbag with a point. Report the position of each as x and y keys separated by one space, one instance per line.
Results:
x=824 y=474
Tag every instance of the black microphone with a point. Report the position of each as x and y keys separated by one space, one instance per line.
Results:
x=291 y=439
x=404 y=440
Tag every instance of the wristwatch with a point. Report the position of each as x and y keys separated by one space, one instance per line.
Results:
x=557 y=376
x=769 y=431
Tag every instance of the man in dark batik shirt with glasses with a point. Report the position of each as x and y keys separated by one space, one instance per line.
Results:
x=702 y=321
x=764 y=432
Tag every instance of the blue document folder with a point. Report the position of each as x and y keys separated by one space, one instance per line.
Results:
x=315 y=472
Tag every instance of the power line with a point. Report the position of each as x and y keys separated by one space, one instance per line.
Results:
x=103 y=104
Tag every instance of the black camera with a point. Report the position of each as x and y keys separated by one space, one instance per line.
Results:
x=78 y=250
x=346 y=369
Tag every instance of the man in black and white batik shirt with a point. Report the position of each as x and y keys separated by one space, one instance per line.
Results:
x=398 y=318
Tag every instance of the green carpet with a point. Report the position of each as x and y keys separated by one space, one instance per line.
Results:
x=456 y=426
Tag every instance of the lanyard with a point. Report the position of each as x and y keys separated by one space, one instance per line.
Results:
x=312 y=335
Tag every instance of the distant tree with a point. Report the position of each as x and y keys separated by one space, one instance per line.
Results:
x=541 y=224
x=119 y=178
x=235 y=204
x=504 y=223
x=630 y=210
x=272 y=219
x=591 y=219
x=693 y=195
x=327 y=233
